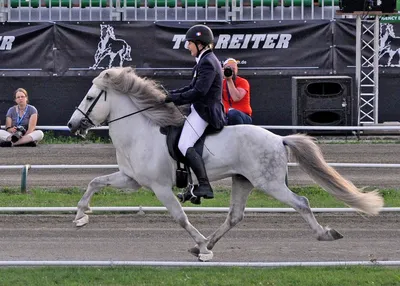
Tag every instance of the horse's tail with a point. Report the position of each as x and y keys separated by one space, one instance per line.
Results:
x=311 y=160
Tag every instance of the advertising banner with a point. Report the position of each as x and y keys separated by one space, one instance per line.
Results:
x=26 y=47
x=86 y=48
x=159 y=48
x=263 y=47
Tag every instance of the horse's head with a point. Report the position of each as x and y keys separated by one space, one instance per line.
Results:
x=110 y=31
x=92 y=111
x=386 y=30
x=103 y=30
x=391 y=30
x=106 y=30
x=137 y=95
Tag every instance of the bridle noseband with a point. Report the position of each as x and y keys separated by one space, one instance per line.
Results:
x=91 y=109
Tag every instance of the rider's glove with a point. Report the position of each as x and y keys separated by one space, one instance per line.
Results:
x=168 y=99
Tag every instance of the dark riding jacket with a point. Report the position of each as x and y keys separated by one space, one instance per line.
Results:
x=204 y=91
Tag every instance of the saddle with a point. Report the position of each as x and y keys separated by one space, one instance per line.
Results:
x=183 y=174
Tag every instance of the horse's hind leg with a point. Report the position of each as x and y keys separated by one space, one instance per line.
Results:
x=241 y=188
x=117 y=179
x=282 y=193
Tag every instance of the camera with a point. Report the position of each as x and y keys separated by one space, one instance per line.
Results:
x=228 y=72
x=18 y=134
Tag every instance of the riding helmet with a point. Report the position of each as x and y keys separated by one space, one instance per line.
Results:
x=200 y=33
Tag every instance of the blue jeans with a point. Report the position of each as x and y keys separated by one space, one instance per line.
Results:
x=238 y=117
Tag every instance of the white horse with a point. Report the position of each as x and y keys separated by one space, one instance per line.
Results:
x=252 y=156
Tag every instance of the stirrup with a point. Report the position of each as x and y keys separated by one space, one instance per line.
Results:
x=188 y=195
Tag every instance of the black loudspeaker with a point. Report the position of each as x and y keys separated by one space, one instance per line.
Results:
x=388 y=6
x=323 y=101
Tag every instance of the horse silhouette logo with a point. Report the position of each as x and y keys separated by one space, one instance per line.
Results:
x=110 y=46
x=389 y=46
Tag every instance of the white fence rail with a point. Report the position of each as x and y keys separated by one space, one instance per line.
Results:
x=141 y=209
x=196 y=264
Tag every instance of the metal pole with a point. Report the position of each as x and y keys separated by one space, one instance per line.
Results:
x=3 y=12
x=358 y=65
x=376 y=68
x=24 y=177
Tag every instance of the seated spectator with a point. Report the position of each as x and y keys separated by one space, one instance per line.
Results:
x=21 y=121
x=236 y=95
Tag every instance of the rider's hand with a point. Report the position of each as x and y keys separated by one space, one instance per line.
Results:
x=11 y=129
x=168 y=99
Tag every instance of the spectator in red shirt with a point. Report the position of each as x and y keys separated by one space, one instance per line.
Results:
x=236 y=95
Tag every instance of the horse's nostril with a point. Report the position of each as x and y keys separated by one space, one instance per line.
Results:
x=69 y=125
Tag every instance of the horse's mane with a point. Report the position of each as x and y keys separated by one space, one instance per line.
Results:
x=144 y=93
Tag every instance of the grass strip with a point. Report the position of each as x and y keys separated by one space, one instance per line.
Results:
x=67 y=197
x=291 y=276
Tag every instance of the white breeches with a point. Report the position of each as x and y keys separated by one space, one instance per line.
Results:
x=36 y=135
x=193 y=128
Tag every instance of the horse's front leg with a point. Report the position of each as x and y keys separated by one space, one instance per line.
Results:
x=167 y=197
x=117 y=179
x=241 y=188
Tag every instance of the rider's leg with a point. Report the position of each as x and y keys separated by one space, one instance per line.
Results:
x=197 y=164
x=193 y=128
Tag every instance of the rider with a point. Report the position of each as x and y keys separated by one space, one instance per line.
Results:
x=204 y=96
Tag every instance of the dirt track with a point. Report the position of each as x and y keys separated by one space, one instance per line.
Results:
x=155 y=237
x=260 y=237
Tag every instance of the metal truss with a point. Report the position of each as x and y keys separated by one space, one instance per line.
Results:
x=367 y=68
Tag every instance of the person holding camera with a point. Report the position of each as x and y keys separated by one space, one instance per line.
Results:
x=236 y=95
x=204 y=96
x=21 y=121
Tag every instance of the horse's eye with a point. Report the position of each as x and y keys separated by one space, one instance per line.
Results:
x=89 y=98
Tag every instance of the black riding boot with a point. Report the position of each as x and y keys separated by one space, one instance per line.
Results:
x=196 y=163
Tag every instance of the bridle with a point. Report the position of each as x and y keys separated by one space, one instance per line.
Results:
x=87 y=122
x=87 y=119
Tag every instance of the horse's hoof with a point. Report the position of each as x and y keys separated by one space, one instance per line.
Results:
x=194 y=251
x=206 y=256
x=330 y=235
x=335 y=235
x=82 y=221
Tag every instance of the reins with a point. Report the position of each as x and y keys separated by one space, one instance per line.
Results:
x=133 y=113
x=116 y=119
